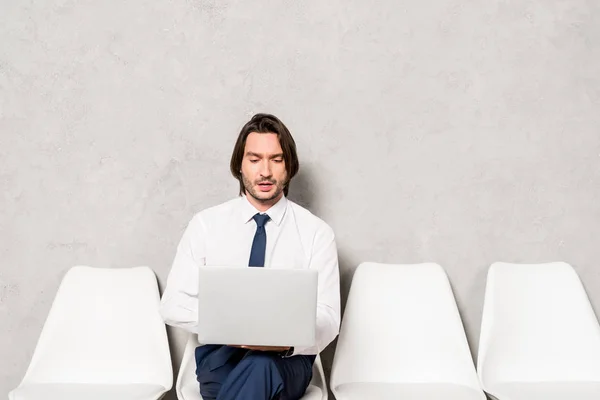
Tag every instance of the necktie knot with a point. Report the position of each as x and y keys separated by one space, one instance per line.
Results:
x=261 y=219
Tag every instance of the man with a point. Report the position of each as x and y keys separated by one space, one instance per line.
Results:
x=261 y=228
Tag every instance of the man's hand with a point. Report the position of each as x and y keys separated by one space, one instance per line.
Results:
x=263 y=348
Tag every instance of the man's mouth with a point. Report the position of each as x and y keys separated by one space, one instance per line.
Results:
x=265 y=186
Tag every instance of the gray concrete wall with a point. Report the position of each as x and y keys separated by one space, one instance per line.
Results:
x=460 y=132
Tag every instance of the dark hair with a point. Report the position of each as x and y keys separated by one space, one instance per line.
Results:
x=265 y=123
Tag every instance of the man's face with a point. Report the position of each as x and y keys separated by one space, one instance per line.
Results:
x=263 y=168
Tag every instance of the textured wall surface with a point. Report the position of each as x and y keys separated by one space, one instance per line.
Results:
x=460 y=132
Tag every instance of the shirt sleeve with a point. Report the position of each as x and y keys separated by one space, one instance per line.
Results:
x=179 y=302
x=325 y=260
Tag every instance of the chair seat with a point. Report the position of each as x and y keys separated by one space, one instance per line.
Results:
x=548 y=390
x=406 y=391
x=81 y=391
x=192 y=392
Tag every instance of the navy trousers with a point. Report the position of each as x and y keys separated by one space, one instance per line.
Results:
x=231 y=373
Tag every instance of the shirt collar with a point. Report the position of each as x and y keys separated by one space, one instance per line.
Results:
x=276 y=212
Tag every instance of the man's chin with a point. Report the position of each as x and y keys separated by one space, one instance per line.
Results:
x=265 y=196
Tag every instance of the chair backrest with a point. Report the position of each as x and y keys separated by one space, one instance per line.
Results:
x=104 y=326
x=537 y=325
x=401 y=325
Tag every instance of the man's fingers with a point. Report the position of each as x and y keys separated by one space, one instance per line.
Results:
x=266 y=348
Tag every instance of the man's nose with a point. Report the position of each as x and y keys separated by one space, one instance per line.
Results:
x=265 y=169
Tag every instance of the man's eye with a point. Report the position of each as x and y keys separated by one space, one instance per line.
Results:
x=278 y=160
x=253 y=161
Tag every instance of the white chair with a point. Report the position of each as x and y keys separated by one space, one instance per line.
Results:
x=188 y=389
x=539 y=336
x=103 y=339
x=402 y=338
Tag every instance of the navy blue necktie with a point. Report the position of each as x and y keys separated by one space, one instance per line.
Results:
x=259 y=245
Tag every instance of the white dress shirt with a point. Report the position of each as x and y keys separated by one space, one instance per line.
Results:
x=223 y=235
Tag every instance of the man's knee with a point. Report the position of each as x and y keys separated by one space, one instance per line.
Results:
x=256 y=376
x=260 y=361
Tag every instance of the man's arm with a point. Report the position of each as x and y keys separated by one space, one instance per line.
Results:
x=325 y=260
x=179 y=302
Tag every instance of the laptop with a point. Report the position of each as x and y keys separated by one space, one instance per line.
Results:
x=257 y=306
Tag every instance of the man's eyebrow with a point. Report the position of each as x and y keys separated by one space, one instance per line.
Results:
x=253 y=154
